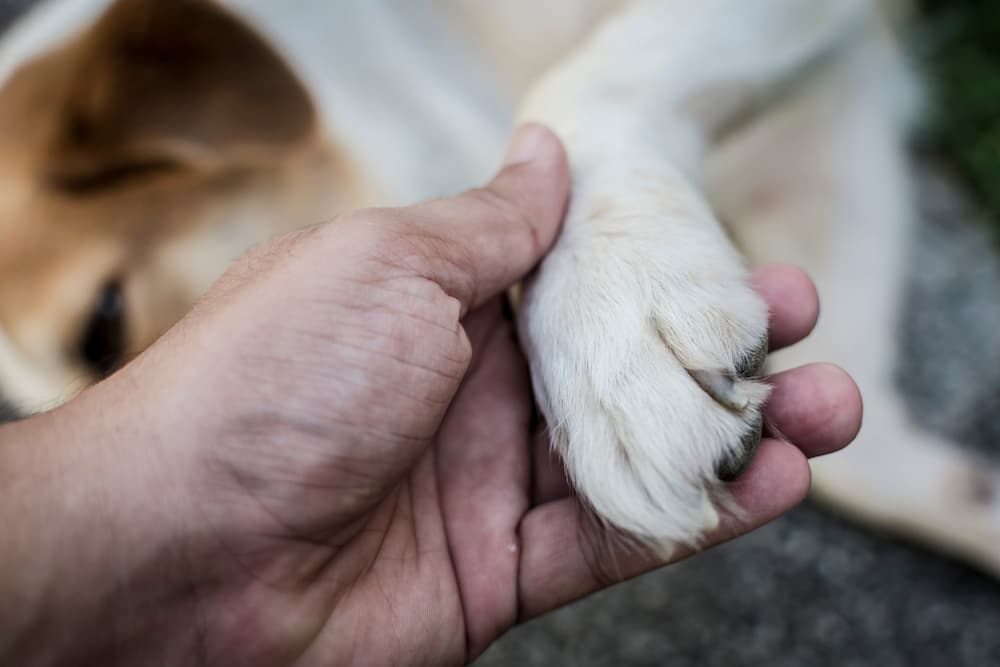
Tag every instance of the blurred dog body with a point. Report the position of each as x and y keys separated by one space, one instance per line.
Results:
x=144 y=145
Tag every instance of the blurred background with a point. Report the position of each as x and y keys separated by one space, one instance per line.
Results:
x=812 y=589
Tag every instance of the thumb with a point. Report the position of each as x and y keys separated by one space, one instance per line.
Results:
x=479 y=243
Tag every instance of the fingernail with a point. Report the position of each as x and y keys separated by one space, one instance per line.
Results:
x=525 y=145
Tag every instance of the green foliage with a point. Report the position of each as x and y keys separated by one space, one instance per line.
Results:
x=959 y=43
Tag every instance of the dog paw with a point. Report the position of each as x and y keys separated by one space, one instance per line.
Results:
x=645 y=341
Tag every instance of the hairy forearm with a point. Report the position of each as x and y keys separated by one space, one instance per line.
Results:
x=84 y=548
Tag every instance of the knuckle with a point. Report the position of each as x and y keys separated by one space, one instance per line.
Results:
x=380 y=242
x=509 y=212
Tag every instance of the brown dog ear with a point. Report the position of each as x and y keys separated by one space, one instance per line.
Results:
x=158 y=84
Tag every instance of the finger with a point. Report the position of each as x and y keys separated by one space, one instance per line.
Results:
x=818 y=407
x=483 y=470
x=566 y=555
x=793 y=302
x=481 y=242
x=549 y=477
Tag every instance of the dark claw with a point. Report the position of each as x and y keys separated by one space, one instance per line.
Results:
x=723 y=387
x=733 y=465
x=753 y=364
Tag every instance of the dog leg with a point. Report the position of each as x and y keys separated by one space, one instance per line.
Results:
x=643 y=333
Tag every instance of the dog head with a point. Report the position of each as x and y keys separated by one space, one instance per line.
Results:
x=137 y=160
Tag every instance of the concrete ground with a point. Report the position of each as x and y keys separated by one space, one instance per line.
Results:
x=811 y=589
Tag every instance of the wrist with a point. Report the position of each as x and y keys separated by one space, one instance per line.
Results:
x=92 y=555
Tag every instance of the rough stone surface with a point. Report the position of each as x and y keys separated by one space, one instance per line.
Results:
x=811 y=589
x=950 y=348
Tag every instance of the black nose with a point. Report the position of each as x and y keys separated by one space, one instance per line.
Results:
x=7 y=412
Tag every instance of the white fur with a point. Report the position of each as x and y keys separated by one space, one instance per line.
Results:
x=644 y=286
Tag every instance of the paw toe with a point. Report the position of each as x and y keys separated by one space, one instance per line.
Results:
x=753 y=363
x=723 y=388
x=736 y=462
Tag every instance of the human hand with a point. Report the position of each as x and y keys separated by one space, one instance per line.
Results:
x=331 y=459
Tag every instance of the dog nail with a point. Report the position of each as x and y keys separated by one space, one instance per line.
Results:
x=753 y=363
x=722 y=387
